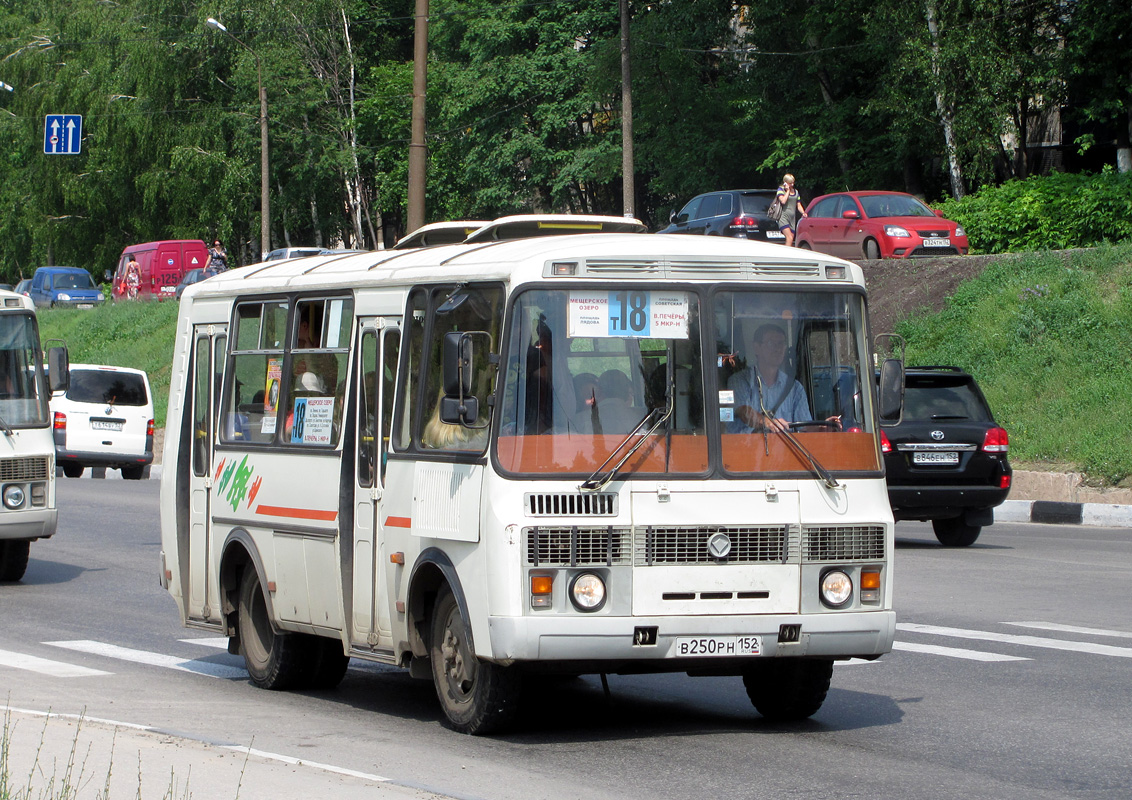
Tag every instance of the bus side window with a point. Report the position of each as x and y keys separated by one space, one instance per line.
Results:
x=201 y=429
x=249 y=411
x=390 y=350
x=367 y=410
x=413 y=338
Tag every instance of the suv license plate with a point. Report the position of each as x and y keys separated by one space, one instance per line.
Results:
x=708 y=646
x=937 y=243
x=105 y=425
x=935 y=458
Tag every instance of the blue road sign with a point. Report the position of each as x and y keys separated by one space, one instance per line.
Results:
x=63 y=134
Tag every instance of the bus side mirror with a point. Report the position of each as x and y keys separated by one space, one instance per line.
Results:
x=891 y=403
x=58 y=369
x=458 y=406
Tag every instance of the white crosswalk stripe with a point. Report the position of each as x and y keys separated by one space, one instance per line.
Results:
x=1015 y=639
x=44 y=666
x=953 y=652
x=1057 y=626
x=154 y=659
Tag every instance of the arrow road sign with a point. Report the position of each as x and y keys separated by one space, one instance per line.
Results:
x=63 y=134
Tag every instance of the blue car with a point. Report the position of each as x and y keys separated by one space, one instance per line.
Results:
x=64 y=286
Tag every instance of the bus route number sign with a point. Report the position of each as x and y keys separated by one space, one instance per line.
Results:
x=628 y=313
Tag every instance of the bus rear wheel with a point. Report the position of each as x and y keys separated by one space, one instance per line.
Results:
x=477 y=696
x=13 y=559
x=275 y=660
x=788 y=689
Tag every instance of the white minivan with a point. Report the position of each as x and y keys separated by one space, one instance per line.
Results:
x=104 y=419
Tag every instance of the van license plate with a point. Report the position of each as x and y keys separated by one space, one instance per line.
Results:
x=947 y=457
x=709 y=646
x=105 y=425
x=937 y=243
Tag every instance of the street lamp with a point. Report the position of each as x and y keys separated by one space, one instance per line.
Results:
x=264 y=199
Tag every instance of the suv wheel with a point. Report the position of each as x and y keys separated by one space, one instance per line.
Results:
x=73 y=470
x=955 y=532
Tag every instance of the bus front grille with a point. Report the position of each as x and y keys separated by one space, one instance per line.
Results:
x=573 y=546
x=25 y=468
x=570 y=504
x=842 y=543
x=756 y=544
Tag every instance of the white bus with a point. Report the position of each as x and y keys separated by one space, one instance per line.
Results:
x=27 y=447
x=491 y=462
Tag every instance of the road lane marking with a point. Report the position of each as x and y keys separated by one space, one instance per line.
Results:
x=284 y=759
x=219 y=642
x=1025 y=641
x=154 y=659
x=56 y=669
x=1056 y=626
x=954 y=652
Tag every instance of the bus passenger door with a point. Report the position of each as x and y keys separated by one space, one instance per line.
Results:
x=209 y=348
x=381 y=340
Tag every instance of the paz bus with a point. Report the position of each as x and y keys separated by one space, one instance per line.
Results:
x=490 y=463
x=27 y=446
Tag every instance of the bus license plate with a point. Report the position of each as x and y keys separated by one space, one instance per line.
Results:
x=937 y=243
x=709 y=646
x=949 y=457
x=105 y=425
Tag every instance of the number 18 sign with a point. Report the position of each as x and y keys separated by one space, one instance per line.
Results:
x=628 y=314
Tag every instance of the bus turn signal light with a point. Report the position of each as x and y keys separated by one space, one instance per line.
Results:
x=870 y=585
x=542 y=587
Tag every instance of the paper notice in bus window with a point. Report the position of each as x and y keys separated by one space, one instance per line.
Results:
x=628 y=314
x=312 y=420
x=271 y=390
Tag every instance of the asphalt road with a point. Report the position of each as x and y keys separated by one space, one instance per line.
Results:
x=1010 y=679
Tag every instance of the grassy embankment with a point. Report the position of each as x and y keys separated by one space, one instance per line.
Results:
x=1048 y=335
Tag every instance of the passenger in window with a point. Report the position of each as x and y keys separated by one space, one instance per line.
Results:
x=766 y=398
x=615 y=411
x=585 y=390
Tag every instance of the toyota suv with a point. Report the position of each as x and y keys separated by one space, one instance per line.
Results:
x=104 y=419
x=946 y=460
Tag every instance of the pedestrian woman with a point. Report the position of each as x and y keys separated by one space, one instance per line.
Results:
x=791 y=207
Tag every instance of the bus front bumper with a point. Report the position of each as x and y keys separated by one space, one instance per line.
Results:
x=865 y=634
x=32 y=523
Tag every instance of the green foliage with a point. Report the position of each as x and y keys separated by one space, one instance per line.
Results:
x=138 y=335
x=1048 y=337
x=1049 y=212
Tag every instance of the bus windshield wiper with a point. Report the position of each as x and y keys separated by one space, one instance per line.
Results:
x=815 y=465
x=594 y=483
x=4 y=426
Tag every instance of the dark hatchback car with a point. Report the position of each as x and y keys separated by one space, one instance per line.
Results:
x=946 y=460
x=739 y=213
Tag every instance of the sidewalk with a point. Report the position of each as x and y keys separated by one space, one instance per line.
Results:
x=44 y=754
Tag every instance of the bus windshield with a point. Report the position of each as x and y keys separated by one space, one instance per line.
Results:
x=748 y=381
x=23 y=400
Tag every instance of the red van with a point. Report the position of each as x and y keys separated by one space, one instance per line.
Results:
x=161 y=266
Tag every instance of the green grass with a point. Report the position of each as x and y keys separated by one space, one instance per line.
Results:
x=138 y=335
x=1047 y=335
x=1049 y=338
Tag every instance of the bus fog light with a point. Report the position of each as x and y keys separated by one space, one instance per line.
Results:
x=587 y=592
x=836 y=588
x=13 y=496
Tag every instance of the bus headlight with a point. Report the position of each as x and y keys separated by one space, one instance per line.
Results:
x=13 y=496
x=587 y=592
x=836 y=588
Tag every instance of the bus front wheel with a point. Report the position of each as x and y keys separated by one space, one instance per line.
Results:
x=477 y=696
x=788 y=689
x=13 y=559
x=274 y=660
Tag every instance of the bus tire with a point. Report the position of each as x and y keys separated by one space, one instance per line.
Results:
x=13 y=559
x=477 y=697
x=274 y=660
x=788 y=689
x=332 y=663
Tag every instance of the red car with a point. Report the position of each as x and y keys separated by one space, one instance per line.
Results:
x=856 y=225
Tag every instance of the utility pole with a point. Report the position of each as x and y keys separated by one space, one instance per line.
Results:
x=628 y=191
x=418 y=153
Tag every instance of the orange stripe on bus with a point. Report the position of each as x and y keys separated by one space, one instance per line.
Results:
x=398 y=522
x=297 y=513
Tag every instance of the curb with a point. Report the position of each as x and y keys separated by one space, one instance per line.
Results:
x=1057 y=513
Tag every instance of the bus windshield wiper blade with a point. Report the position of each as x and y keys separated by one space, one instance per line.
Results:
x=4 y=426
x=815 y=465
x=595 y=484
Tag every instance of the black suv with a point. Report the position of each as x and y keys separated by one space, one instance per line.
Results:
x=740 y=213
x=946 y=460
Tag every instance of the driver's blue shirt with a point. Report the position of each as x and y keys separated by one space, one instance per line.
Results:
x=783 y=399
